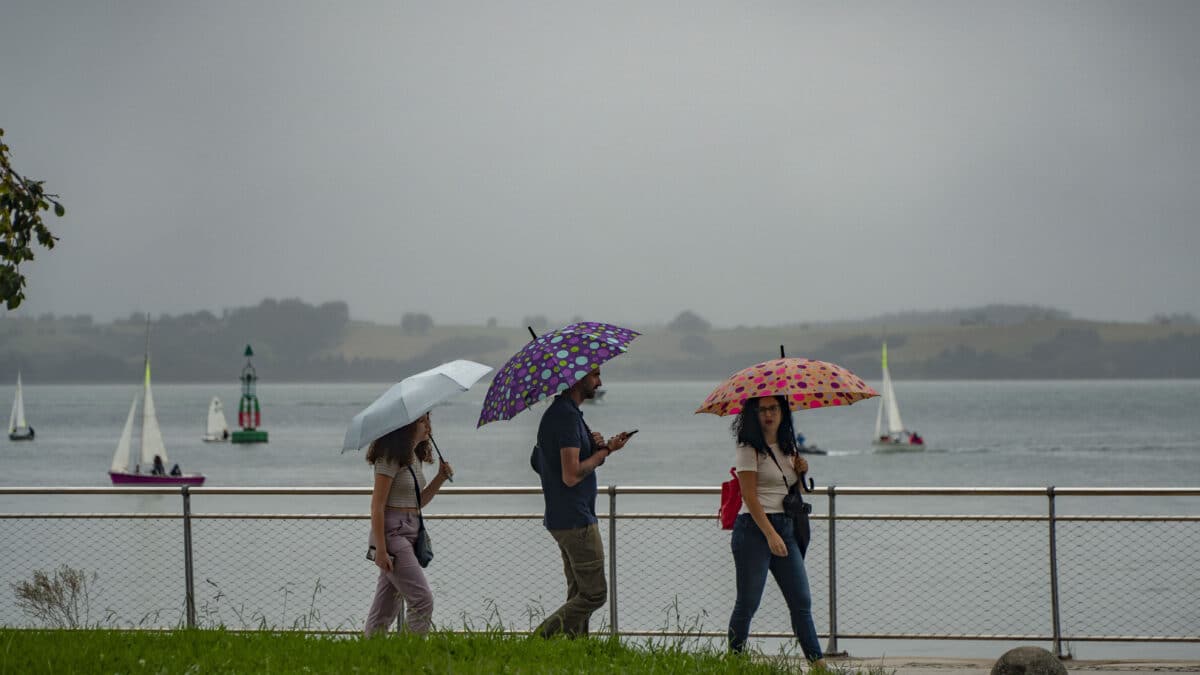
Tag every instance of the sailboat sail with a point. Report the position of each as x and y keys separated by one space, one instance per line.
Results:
x=894 y=424
x=16 y=421
x=18 y=427
x=889 y=428
x=216 y=426
x=152 y=441
x=120 y=461
x=879 y=433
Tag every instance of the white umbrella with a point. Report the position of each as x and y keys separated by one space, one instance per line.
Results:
x=410 y=398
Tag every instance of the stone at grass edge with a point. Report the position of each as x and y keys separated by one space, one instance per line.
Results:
x=1028 y=661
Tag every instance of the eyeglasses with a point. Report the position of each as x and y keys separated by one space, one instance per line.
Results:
x=773 y=409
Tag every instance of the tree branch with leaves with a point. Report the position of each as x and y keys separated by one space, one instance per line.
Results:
x=22 y=202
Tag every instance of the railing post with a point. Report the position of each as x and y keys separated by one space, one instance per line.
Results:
x=1054 y=615
x=189 y=584
x=831 y=649
x=612 y=559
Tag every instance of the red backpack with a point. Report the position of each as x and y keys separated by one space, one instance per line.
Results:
x=731 y=501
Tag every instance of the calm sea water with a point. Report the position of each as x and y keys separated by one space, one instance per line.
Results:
x=1106 y=433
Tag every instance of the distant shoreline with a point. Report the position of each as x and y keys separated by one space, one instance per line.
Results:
x=299 y=343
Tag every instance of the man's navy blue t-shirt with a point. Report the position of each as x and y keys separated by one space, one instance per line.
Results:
x=562 y=427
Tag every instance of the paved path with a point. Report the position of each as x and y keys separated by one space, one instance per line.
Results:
x=916 y=665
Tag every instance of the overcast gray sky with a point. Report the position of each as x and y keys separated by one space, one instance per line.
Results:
x=757 y=163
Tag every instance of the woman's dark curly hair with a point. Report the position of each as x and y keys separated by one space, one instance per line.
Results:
x=747 y=429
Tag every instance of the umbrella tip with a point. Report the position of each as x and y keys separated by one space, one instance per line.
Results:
x=781 y=354
x=531 y=333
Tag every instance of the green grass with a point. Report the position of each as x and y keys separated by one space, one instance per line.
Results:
x=218 y=651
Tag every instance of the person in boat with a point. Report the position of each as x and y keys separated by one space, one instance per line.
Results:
x=800 y=440
x=224 y=434
x=916 y=439
x=159 y=469
x=764 y=539
x=176 y=471
x=399 y=493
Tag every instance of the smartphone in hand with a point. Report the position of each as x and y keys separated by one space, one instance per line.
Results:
x=371 y=554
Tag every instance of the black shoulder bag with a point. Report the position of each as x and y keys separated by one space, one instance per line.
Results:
x=423 y=547
x=795 y=506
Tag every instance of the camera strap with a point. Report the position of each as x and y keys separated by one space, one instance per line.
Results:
x=771 y=454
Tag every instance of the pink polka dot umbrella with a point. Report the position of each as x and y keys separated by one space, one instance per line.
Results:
x=548 y=365
x=806 y=384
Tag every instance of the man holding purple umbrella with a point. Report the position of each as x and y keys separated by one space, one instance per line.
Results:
x=567 y=456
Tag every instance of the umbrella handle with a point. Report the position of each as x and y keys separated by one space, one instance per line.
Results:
x=808 y=486
x=443 y=459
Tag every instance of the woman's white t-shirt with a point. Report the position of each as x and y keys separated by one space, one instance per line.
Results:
x=402 y=493
x=771 y=488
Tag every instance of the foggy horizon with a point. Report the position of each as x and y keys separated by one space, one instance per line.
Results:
x=555 y=320
x=758 y=165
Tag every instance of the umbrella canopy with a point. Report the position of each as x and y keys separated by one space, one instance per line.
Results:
x=806 y=384
x=550 y=364
x=412 y=397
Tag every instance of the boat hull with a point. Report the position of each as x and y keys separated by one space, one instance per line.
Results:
x=125 y=478
x=888 y=446
x=18 y=436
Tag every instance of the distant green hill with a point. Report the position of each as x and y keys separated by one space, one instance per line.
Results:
x=294 y=341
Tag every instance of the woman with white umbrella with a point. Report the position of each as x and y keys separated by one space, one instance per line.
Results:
x=398 y=429
x=399 y=493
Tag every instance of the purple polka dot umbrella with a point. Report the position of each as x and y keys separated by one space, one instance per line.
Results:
x=805 y=383
x=550 y=364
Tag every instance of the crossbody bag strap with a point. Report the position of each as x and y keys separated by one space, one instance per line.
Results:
x=417 y=491
x=781 y=473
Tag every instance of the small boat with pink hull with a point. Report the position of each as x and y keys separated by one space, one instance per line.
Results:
x=151 y=467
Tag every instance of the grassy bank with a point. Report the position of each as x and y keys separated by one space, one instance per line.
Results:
x=106 y=651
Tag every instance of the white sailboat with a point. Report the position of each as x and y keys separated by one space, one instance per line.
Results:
x=151 y=467
x=216 y=429
x=889 y=428
x=18 y=428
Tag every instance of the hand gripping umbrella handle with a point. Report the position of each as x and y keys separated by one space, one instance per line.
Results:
x=443 y=459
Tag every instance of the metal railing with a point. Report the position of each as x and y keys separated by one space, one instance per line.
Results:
x=1044 y=577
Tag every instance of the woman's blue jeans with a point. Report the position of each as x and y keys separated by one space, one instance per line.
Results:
x=752 y=559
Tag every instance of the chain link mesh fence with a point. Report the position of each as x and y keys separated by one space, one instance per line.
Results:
x=943 y=577
x=1135 y=576
x=933 y=576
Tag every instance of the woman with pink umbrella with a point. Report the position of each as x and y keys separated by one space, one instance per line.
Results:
x=766 y=537
x=763 y=535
